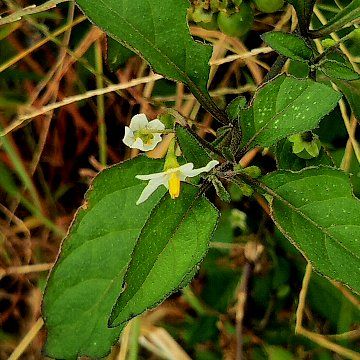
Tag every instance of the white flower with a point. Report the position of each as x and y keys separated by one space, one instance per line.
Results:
x=142 y=134
x=171 y=179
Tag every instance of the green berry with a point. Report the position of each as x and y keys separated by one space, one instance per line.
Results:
x=238 y=23
x=269 y=6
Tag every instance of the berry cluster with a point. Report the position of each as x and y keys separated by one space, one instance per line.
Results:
x=232 y=17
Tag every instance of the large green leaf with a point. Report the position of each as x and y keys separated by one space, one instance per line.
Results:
x=87 y=277
x=283 y=107
x=289 y=45
x=158 y=31
x=317 y=211
x=342 y=18
x=171 y=245
x=304 y=10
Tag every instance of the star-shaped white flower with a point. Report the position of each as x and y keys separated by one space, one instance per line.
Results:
x=171 y=178
x=142 y=134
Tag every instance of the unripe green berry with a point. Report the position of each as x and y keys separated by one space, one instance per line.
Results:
x=269 y=6
x=238 y=23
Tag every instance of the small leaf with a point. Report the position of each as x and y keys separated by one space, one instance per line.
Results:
x=336 y=70
x=346 y=16
x=289 y=45
x=221 y=192
x=317 y=211
x=172 y=243
x=87 y=277
x=235 y=106
x=283 y=107
x=117 y=54
x=158 y=31
x=193 y=151
x=304 y=10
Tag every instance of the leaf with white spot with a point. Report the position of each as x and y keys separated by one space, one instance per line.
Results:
x=283 y=107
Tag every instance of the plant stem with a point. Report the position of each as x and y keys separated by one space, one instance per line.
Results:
x=276 y=68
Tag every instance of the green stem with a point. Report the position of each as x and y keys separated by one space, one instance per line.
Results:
x=276 y=68
x=331 y=49
x=134 y=338
x=348 y=16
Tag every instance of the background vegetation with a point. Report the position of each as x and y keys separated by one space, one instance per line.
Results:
x=56 y=135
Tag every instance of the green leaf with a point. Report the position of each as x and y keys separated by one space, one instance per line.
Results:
x=304 y=10
x=87 y=278
x=336 y=70
x=117 y=54
x=289 y=45
x=283 y=107
x=158 y=31
x=171 y=245
x=351 y=90
x=192 y=149
x=287 y=160
x=235 y=106
x=346 y=16
x=317 y=211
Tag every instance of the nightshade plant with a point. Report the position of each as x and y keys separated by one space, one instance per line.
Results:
x=135 y=242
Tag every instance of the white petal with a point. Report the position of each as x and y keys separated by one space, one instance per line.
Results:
x=138 y=144
x=156 y=125
x=206 y=168
x=184 y=170
x=149 y=189
x=151 y=176
x=128 y=137
x=138 y=122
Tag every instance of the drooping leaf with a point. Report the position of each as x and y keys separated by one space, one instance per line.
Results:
x=336 y=70
x=283 y=107
x=287 y=160
x=304 y=10
x=289 y=45
x=172 y=243
x=192 y=149
x=117 y=54
x=88 y=275
x=351 y=90
x=158 y=31
x=346 y=16
x=317 y=211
